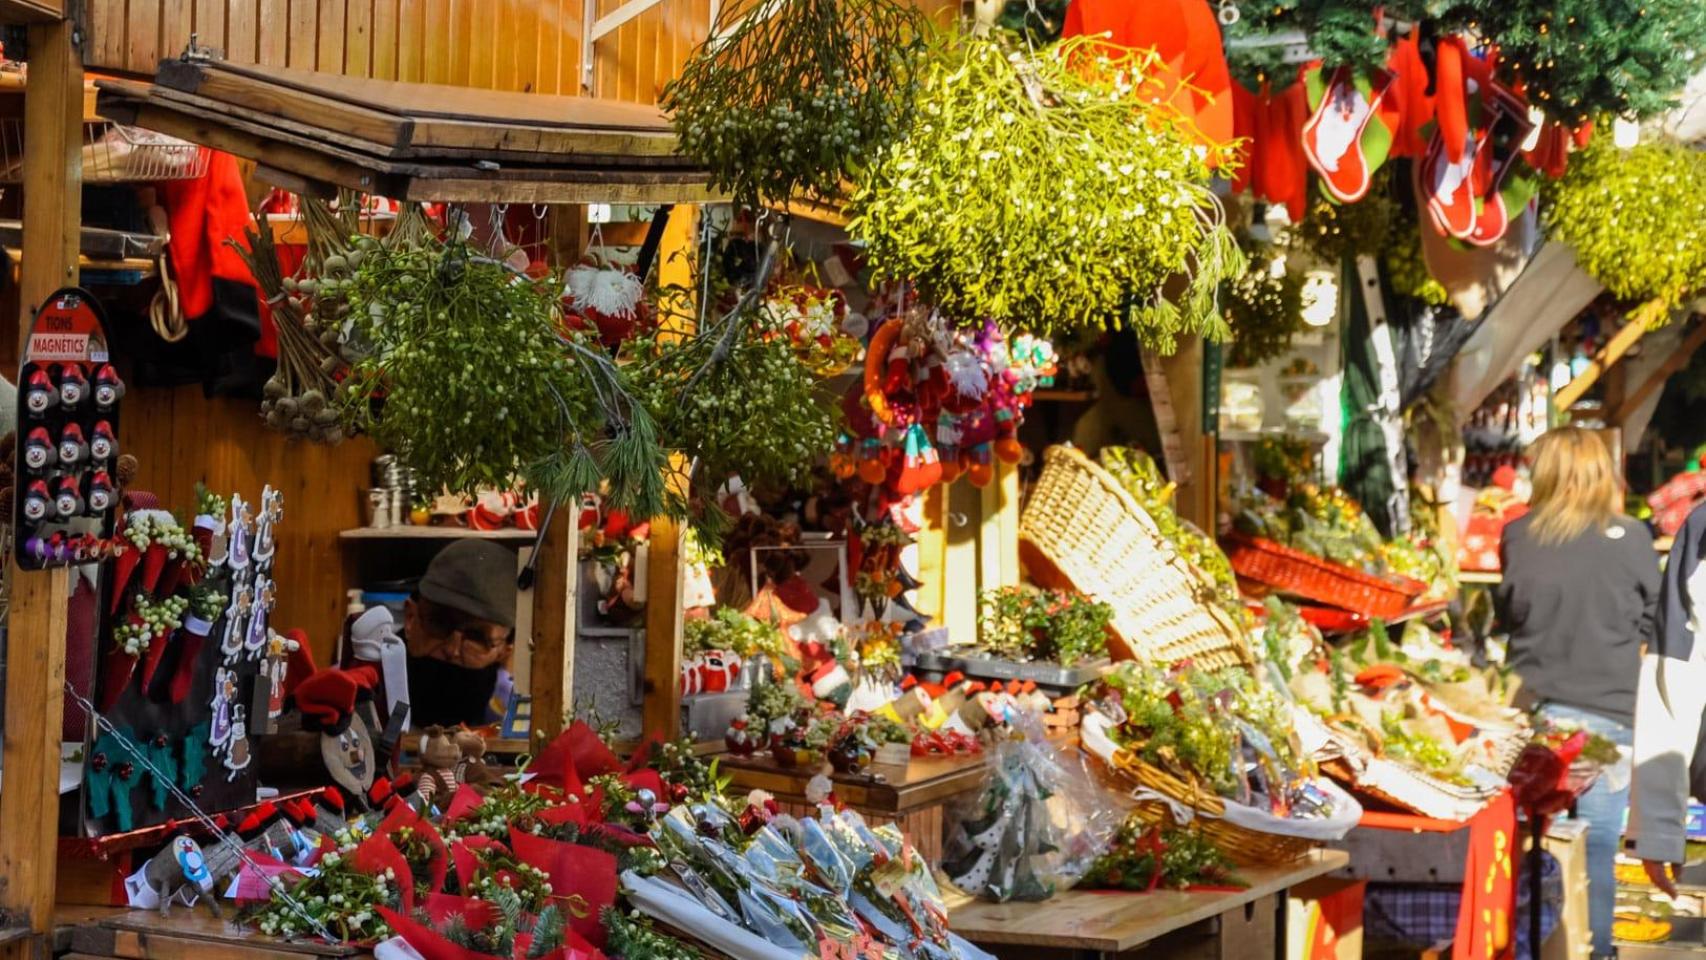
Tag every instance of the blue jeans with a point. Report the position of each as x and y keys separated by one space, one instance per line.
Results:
x=1602 y=808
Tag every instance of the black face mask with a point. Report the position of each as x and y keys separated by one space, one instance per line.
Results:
x=446 y=694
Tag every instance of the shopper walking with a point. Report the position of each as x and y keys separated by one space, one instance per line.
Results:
x=1579 y=598
x=1669 y=710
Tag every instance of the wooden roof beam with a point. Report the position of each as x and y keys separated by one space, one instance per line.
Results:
x=1656 y=380
x=1608 y=356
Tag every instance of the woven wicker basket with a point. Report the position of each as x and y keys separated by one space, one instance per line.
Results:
x=1082 y=531
x=1245 y=846
x=1309 y=576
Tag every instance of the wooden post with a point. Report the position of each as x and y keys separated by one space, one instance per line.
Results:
x=661 y=713
x=555 y=598
x=35 y=654
x=1195 y=497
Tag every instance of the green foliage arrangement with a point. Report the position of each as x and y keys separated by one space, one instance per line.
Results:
x=1263 y=308
x=735 y=402
x=1024 y=623
x=1034 y=188
x=480 y=384
x=339 y=899
x=1636 y=219
x=1142 y=857
x=1341 y=32
x=1187 y=721
x=729 y=629
x=771 y=701
x=794 y=96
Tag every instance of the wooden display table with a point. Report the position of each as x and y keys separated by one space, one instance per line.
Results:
x=1234 y=925
x=914 y=797
x=186 y=934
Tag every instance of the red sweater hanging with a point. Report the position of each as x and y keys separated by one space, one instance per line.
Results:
x=1192 y=75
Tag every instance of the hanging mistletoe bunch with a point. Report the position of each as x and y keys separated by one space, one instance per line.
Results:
x=1034 y=189
x=1636 y=219
x=1264 y=309
x=735 y=402
x=791 y=97
x=472 y=380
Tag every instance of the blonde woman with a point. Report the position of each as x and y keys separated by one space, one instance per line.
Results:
x=1579 y=598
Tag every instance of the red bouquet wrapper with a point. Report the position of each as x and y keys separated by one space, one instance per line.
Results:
x=151 y=661
x=375 y=855
x=124 y=564
x=582 y=878
x=574 y=757
x=476 y=913
x=153 y=564
x=462 y=854
x=433 y=946
x=404 y=815
x=1536 y=777
x=462 y=803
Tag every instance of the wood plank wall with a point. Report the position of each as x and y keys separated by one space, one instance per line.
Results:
x=528 y=45
x=182 y=438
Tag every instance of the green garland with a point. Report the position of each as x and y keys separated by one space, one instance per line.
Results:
x=794 y=96
x=1636 y=219
x=1034 y=190
x=1581 y=59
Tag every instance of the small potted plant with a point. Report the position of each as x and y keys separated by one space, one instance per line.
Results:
x=1027 y=624
x=893 y=740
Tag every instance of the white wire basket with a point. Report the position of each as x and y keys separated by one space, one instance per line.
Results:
x=112 y=153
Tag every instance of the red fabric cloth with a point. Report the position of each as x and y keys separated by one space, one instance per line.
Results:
x=203 y=214
x=1488 y=904
x=1415 y=104
x=1273 y=165
x=1186 y=36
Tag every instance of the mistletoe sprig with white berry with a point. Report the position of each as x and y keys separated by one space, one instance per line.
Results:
x=339 y=897
x=146 y=528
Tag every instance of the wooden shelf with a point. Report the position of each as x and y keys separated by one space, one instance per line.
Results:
x=1064 y=396
x=437 y=533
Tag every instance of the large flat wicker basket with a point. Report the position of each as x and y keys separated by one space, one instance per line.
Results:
x=1082 y=531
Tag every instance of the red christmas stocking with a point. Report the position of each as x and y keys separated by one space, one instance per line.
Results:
x=920 y=468
x=1350 y=132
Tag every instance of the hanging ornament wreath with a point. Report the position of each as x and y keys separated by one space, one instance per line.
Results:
x=793 y=97
x=1636 y=220
x=1033 y=189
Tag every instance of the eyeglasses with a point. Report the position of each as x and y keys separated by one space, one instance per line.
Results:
x=477 y=640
